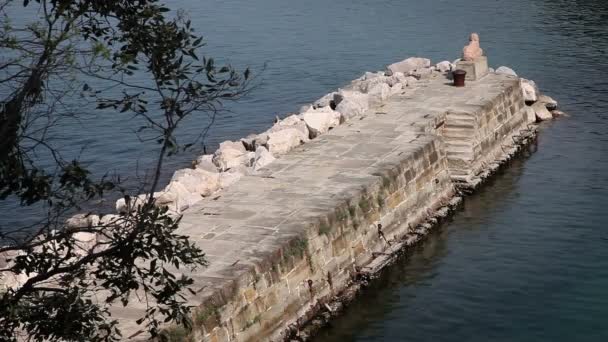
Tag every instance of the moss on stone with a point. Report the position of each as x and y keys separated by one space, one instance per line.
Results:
x=324 y=229
x=255 y=320
x=365 y=205
x=296 y=248
x=206 y=315
x=176 y=333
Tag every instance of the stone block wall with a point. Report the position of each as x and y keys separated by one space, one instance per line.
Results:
x=480 y=134
x=291 y=237
x=335 y=246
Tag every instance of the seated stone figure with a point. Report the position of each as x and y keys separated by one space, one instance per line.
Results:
x=472 y=51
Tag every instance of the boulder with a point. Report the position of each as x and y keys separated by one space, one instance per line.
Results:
x=421 y=73
x=550 y=103
x=205 y=162
x=542 y=114
x=124 y=207
x=249 y=142
x=292 y=122
x=505 y=71
x=325 y=101
x=444 y=66
x=529 y=90
x=184 y=198
x=379 y=93
x=367 y=85
x=261 y=140
x=84 y=241
x=10 y=280
x=558 y=113
x=263 y=157
x=321 y=120
x=397 y=89
x=410 y=64
x=351 y=103
x=80 y=221
x=198 y=181
x=230 y=177
x=110 y=220
x=281 y=142
x=305 y=108
x=370 y=75
x=411 y=81
x=161 y=198
x=397 y=78
x=229 y=154
x=530 y=115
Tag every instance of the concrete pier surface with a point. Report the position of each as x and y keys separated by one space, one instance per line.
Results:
x=295 y=233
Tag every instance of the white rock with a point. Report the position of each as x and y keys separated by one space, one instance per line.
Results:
x=263 y=157
x=229 y=154
x=80 y=221
x=397 y=89
x=321 y=120
x=160 y=198
x=184 y=198
x=205 y=162
x=122 y=207
x=505 y=71
x=367 y=85
x=410 y=64
x=282 y=141
x=249 y=142
x=411 y=81
x=530 y=114
x=198 y=181
x=370 y=75
x=305 y=108
x=420 y=73
x=542 y=114
x=229 y=178
x=558 y=113
x=397 y=78
x=444 y=66
x=352 y=103
x=10 y=280
x=110 y=220
x=85 y=241
x=292 y=122
x=260 y=140
x=325 y=101
x=379 y=93
x=550 y=103
x=491 y=70
x=529 y=90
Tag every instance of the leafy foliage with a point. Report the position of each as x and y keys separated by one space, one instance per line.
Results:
x=64 y=277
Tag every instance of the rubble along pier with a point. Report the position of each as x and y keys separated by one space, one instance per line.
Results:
x=283 y=241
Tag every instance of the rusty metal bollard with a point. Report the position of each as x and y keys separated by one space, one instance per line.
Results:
x=459 y=76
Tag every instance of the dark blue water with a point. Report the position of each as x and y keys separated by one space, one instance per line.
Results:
x=527 y=260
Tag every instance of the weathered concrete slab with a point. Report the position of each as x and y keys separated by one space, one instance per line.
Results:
x=297 y=230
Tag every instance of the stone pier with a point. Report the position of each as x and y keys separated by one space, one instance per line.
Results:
x=295 y=233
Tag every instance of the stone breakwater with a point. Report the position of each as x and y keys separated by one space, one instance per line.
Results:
x=294 y=218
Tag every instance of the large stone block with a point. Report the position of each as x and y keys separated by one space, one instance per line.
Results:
x=475 y=69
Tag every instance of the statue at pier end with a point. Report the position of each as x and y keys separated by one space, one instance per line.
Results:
x=473 y=61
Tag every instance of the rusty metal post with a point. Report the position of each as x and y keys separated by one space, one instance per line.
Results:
x=459 y=76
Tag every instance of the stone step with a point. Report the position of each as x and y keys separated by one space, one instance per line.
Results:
x=461 y=116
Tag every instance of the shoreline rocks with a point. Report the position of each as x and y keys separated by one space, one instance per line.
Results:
x=408 y=65
x=233 y=159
